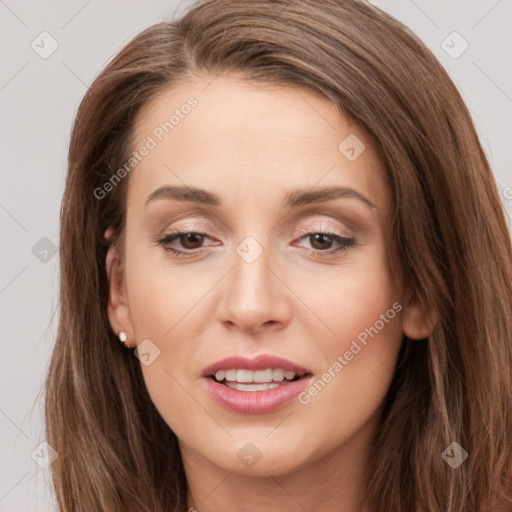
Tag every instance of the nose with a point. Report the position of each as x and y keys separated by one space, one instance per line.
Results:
x=254 y=297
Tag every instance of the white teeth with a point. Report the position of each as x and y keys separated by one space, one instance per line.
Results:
x=262 y=376
x=259 y=376
x=231 y=375
x=244 y=375
x=251 y=387
x=278 y=375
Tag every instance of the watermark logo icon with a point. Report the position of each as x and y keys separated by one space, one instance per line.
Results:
x=44 y=455
x=44 y=45
x=351 y=147
x=454 y=45
x=44 y=250
x=249 y=454
x=146 y=352
x=249 y=249
x=454 y=455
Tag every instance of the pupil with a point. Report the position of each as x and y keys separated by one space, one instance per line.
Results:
x=326 y=240
x=189 y=239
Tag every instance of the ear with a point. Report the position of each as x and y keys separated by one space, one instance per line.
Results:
x=118 y=310
x=418 y=321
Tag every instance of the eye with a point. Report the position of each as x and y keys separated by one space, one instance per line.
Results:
x=321 y=241
x=189 y=240
x=192 y=241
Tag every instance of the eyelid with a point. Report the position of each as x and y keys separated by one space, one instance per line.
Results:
x=340 y=224
x=323 y=226
x=326 y=220
x=310 y=226
x=352 y=219
x=196 y=227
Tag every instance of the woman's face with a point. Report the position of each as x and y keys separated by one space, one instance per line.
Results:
x=259 y=279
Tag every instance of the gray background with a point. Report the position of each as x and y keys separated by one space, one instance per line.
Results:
x=38 y=100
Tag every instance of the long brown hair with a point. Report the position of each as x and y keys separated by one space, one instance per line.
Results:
x=451 y=248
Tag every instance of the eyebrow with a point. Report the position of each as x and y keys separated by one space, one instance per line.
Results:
x=294 y=198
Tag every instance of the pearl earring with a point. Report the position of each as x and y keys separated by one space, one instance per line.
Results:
x=122 y=336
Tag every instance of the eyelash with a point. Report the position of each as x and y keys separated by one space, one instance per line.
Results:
x=344 y=243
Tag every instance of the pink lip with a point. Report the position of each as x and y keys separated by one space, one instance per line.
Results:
x=262 y=362
x=255 y=402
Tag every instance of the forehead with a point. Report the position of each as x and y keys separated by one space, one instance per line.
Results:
x=248 y=137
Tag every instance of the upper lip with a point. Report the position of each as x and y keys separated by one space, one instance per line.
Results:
x=261 y=362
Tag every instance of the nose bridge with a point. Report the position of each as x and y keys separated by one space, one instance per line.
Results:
x=250 y=280
x=252 y=294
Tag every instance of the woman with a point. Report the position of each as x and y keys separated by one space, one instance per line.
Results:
x=286 y=275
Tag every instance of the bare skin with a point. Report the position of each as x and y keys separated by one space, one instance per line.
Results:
x=251 y=144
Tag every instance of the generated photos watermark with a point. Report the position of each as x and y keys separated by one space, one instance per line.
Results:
x=343 y=360
x=157 y=135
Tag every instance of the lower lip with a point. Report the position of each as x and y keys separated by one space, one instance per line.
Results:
x=255 y=402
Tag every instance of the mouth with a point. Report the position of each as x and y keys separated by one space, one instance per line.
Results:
x=260 y=385
x=256 y=380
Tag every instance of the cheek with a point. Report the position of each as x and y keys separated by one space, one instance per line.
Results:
x=166 y=307
x=361 y=337
x=161 y=297
x=346 y=397
x=347 y=299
